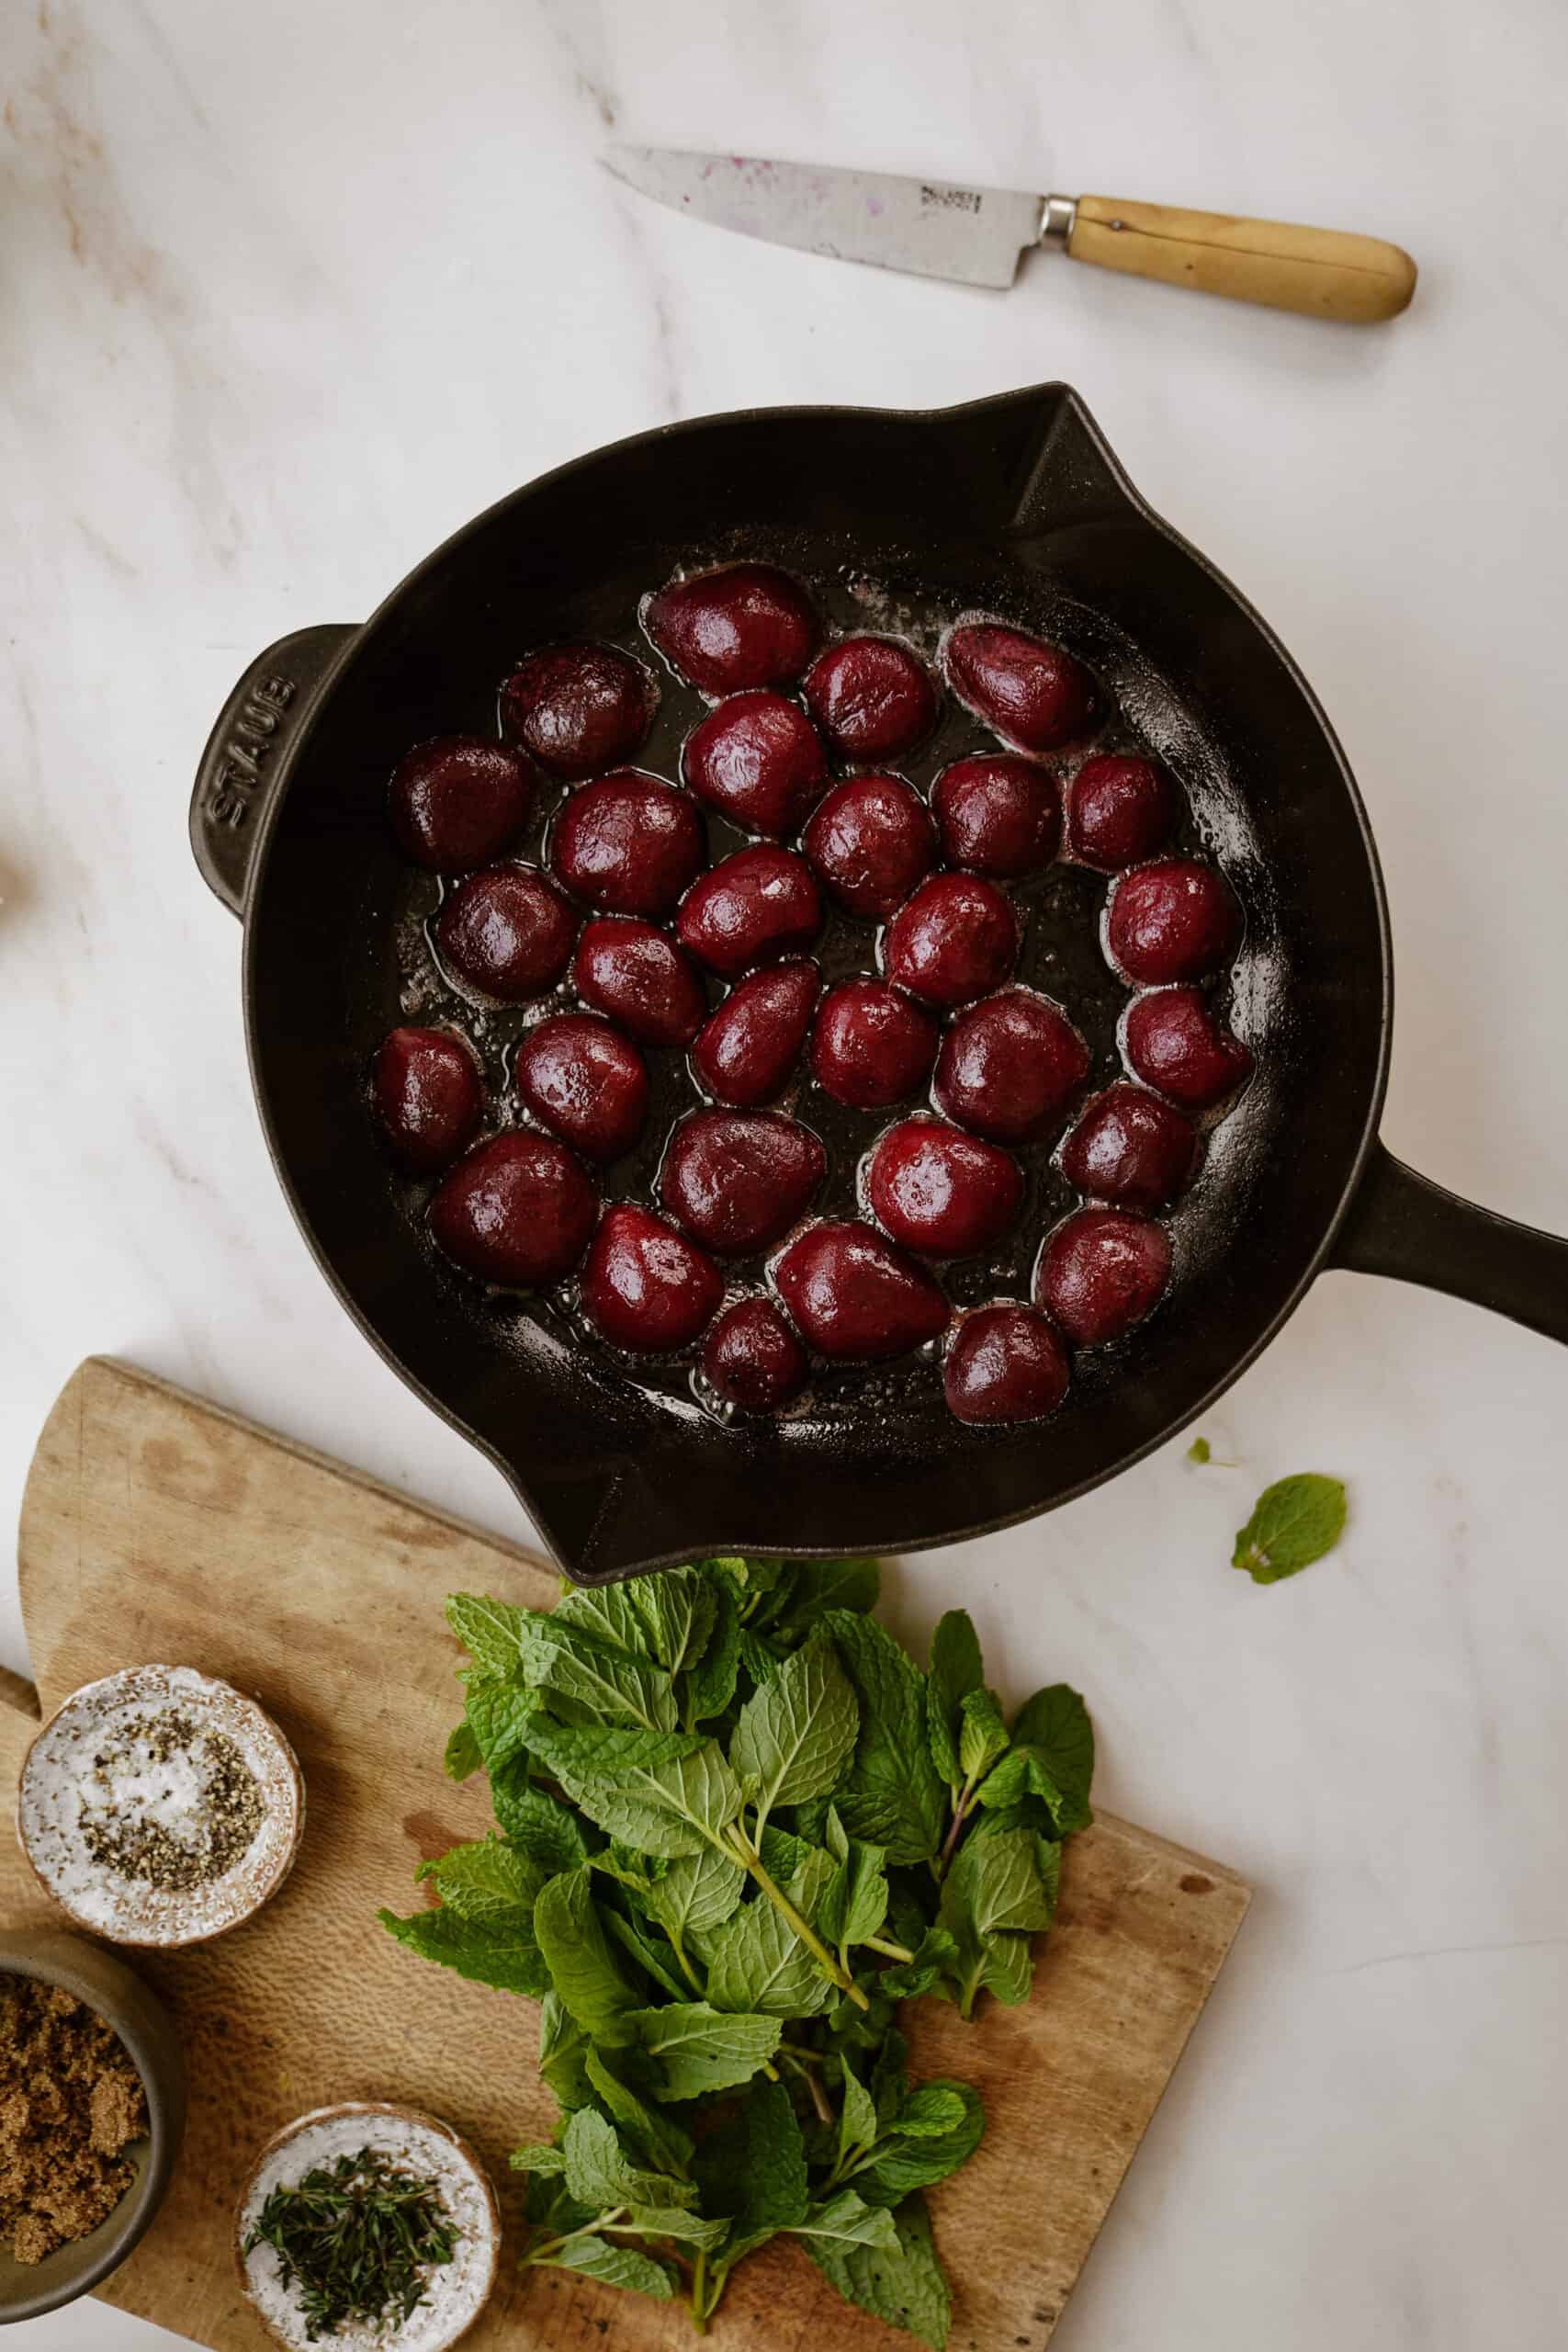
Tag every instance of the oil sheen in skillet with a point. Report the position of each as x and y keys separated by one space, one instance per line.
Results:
x=832 y=999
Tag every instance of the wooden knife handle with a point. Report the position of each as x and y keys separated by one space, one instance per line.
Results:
x=1323 y=273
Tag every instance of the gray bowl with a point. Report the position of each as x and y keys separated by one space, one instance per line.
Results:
x=121 y=1999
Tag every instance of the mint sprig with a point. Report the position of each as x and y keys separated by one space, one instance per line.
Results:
x=1294 y=1522
x=738 y=1825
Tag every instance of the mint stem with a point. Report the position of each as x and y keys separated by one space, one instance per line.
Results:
x=888 y=1951
x=552 y=2247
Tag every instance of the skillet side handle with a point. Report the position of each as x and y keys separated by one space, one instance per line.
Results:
x=239 y=770
x=1402 y=1226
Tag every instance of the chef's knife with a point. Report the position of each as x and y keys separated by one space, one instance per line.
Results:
x=979 y=234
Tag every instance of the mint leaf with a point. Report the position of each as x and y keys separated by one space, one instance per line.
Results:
x=757 y=1963
x=538 y=1824
x=695 y=2048
x=854 y=1902
x=892 y=1796
x=916 y=2157
x=489 y=1631
x=610 y=1614
x=645 y=1953
x=582 y=1967
x=752 y=2166
x=932 y=2110
x=664 y=1792
x=1056 y=1724
x=691 y=1896
x=540 y=2160
x=1021 y=1773
x=821 y=1585
x=590 y=1679
x=463 y=1758
x=487 y=1881
x=955 y=1670
x=656 y=2137
x=710 y=1684
x=847 y=2218
x=935 y=1952
x=996 y=1884
x=564 y=2050
x=982 y=1732
x=600 y=2173
x=672 y=2221
x=1199 y=1451
x=1294 y=1522
x=857 y=2117
x=797 y=1732
x=486 y=1951
x=501 y=1712
x=678 y=1608
x=615 y=2266
x=903 y=2285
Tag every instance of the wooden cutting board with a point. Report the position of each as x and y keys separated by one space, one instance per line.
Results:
x=156 y=1528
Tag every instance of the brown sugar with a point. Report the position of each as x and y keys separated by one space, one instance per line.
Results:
x=71 y=2103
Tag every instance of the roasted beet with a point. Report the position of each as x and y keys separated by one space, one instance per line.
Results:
x=636 y=974
x=752 y=1359
x=628 y=845
x=871 y=697
x=999 y=815
x=508 y=931
x=746 y=1051
x=738 y=1179
x=1010 y=1066
x=942 y=1192
x=518 y=1210
x=580 y=709
x=1029 y=690
x=856 y=1298
x=459 y=801
x=1099 y=1272
x=644 y=1285
x=748 y=624
x=1120 y=809
x=1177 y=1043
x=1004 y=1363
x=1172 y=920
x=952 y=941
x=758 y=759
x=585 y=1083
x=871 y=1046
x=753 y=908
x=428 y=1094
x=1129 y=1147
x=871 y=840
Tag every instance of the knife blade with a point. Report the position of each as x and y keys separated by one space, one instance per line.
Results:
x=979 y=235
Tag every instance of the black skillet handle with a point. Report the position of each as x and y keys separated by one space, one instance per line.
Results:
x=244 y=754
x=1400 y=1224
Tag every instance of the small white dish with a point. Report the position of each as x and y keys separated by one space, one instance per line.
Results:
x=456 y=2291
x=101 y=1776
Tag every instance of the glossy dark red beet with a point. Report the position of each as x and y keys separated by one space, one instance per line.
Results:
x=1176 y=1044
x=645 y=1287
x=753 y=908
x=872 y=840
x=940 y=1191
x=636 y=973
x=1121 y=809
x=429 y=1096
x=508 y=931
x=999 y=815
x=955 y=940
x=1005 y=1363
x=738 y=1179
x=1029 y=691
x=580 y=709
x=1010 y=1066
x=585 y=1083
x=748 y=624
x=751 y=1358
x=1173 y=921
x=1129 y=1147
x=872 y=698
x=871 y=1046
x=518 y=1210
x=746 y=1051
x=854 y=1297
x=758 y=759
x=459 y=801
x=628 y=845
x=1100 y=1272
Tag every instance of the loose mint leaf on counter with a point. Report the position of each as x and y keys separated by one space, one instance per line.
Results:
x=583 y=1968
x=955 y=1670
x=1294 y=1522
x=797 y=1732
x=982 y=1732
x=485 y=1951
x=1199 y=1451
x=903 y=2284
x=1056 y=1724
x=892 y=1796
x=463 y=1758
x=491 y=1631
x=696 y=2049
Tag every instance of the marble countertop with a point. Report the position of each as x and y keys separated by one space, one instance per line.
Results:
x=291 y=292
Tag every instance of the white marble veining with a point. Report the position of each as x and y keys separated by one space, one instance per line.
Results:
x=288 y=292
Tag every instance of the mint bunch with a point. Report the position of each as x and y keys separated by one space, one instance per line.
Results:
x=736 y=1826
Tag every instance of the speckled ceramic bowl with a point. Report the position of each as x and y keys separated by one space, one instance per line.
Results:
x=121 y=1999
x=50 y=1805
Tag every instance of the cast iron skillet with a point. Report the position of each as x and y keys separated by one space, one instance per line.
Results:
x=1013 y=505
